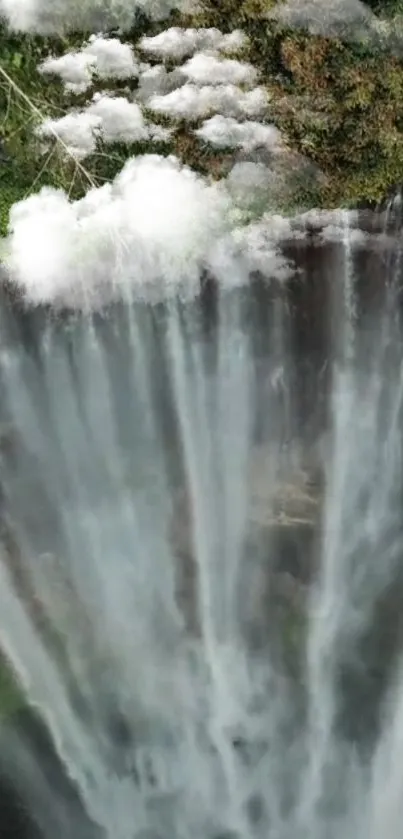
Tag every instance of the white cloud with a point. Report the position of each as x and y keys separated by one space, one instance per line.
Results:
x=249 y=183
x=113 y=59
x=157 y=80
x=74 y=68
x=159 y=133
x=50 y=16
x=256 y=188
x=120 y=119
x=252 y=248
x=208 y=68
x=232 y=41
x=194 y=102
x=77 y=131
x=112 y=118
x=321 y=17
x=318 y=219
x=227 y=132
x=148 y=233
x=338 y=233
x=105 y=57
x=177 y=43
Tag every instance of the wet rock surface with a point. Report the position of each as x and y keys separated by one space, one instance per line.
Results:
x=15 y=818
x=37 y=799
x=278 y=561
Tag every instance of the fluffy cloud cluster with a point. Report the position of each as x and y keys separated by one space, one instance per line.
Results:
x=147 y=233
x=76 y=133
x=207 y=68
x=111 y=118
x=193 y=102
x=177 y=43
x=347 y=18
x=214 y=84
x=150 y=233
x=105 y=57
x=109 y=58
x=50 y=16
x=157 y=80
x=152 y=230
x=250 y=248
x=227 y=132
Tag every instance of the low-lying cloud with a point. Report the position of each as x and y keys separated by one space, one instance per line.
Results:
x=112 y=119
x=49 y=16
x=147 y=233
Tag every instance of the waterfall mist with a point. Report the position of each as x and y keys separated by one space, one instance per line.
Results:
x=202 y=553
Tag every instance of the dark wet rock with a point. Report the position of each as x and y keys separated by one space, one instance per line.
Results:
x=279 y=556
x=367 y=668
x=147 y=833
x=226 y=834
x=37 y=784
x=119 y=730
x=294 y=500
x=286 y=497
x=15 y=820
x=256 y=809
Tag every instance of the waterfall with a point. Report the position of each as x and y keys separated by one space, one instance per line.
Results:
x=200 y=574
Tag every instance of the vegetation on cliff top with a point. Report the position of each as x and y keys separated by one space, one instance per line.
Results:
x=338 y=103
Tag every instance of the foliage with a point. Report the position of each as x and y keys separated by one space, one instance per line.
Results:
x=338 y=104
x=22 y=102
x=26 y=98
x=344 y=107
x=385 y=7
x=232 y=14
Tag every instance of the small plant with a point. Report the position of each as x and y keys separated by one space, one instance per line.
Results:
x=11 y=696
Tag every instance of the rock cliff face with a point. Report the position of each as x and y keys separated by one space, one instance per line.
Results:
x=16 y=821
x=285 y=500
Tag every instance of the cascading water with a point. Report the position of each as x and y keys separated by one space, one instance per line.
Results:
x=201 y=568
x=199 y=572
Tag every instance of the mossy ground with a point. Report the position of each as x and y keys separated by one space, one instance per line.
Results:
x=26 y=97
x=339 y=104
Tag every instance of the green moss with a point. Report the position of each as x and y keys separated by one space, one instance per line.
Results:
x=345 y=113
x=339 y=105
x=26 y=98
x=231 y=14
x=386 y=8
x=11 y=696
